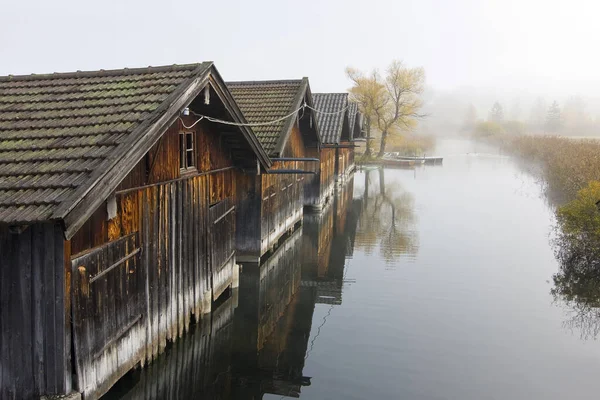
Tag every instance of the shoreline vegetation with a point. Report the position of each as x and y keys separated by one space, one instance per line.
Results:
x=570 y=169
x=567 y=165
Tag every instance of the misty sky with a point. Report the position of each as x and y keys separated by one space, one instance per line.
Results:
x=506 y=44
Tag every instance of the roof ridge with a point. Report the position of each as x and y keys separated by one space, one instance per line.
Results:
x=264 y=82
x=104 y=72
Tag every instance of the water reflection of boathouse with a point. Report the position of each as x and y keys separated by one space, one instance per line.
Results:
x=256 y=341
x=329 y=239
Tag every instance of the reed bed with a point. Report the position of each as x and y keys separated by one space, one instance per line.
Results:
x=568 y=165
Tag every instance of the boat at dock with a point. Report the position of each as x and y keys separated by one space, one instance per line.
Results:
x=425 y=160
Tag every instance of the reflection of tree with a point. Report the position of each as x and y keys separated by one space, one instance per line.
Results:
x=580 y=291
x=577 y=249
x=388 y=219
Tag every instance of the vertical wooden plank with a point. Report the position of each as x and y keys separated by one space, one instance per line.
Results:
x=19 y=316
x=39 y=361
x=158 y=266
x=187 y=256
x=4 y=373
x=150 y=260
x=163 y=271
x=169 y=260
x=115 y=318
x=180 y=267
x=188 y=238
x=196 y=242
x=80 y=295
x=205 y=243
x=50 y=310
x=100 y=327
x=66 y=269
x=175 y=256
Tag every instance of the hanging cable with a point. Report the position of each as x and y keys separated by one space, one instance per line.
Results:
x=191 y=126
x=326 y=112
x=220 y=121
x=267 y=123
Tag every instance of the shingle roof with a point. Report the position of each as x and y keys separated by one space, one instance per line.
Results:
x=60 y=132
x=331 y=119
x=263 y=101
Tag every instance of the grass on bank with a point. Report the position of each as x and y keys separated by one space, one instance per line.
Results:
x=568 y=165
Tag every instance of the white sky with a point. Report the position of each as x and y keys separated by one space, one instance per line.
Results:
x=505 y=44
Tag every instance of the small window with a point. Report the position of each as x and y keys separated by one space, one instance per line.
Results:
x=187 y=160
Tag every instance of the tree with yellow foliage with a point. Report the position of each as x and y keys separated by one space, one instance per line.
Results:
x=390 y=103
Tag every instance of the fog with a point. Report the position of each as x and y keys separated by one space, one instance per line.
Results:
x=474 y=52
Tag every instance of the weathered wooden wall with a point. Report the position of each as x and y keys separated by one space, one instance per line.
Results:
x=345 y=161
x=248 y=215
x=282 y=204
x=109 y=305
x=161 y=165
x=285 y=193
x=197 y=366
x=319 y=188
x=35 y=331
x=278 y=198
x=161 y=261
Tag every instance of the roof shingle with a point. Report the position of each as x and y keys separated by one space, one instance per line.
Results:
x=57 y=129
x=332 y=115
x=264 y=101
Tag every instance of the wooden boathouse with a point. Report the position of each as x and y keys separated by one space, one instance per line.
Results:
x=337 y=118
x=255 y=343
x=117 y=218
x=271 y=205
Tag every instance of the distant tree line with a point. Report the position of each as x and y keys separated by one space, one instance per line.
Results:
x=572 y=119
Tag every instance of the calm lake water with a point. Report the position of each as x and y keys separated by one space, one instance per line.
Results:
x=426 y=283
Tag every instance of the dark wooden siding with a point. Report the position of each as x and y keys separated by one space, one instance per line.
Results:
x=109 y=291
x=34 y=307
x=279 y=199
x=197 y=366
x=248 y=226
x=184 y=227
x=345 y=161
x=319 y=188
x=221 y=230
x=295 y=146
x=282 y=204
x=161 y=164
